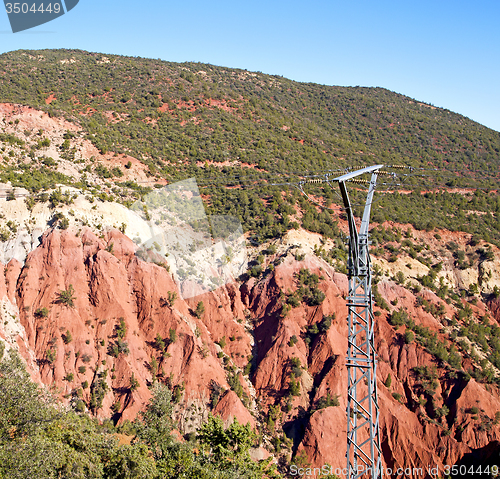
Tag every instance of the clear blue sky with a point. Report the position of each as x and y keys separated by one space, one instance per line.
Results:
x=442 y=52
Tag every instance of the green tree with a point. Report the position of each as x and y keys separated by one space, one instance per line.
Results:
x=399 y=317
x=67 y=338
x=409 y=336
x=42 y=312
x=130 y=461
x=200 y=309
x=294 y=387
x=25 y=408
x=39 y=440
x=121 y=329
x=154 y=367
x=134 y=383
x=171 y=297
x=67 y=297
x=232 y=443
x=155 y=426
x=159 y=343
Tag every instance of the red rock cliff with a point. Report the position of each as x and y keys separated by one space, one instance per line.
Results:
x=97 y=323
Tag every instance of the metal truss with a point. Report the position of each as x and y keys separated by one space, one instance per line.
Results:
x=364 y=457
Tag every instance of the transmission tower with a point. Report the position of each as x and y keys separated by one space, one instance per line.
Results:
x=364 y=458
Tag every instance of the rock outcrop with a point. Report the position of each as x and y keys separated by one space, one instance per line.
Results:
x=99 y=325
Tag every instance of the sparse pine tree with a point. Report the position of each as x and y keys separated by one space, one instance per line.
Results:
x=200 y=309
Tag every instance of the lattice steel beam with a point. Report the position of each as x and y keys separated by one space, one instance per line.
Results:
x=364 y=457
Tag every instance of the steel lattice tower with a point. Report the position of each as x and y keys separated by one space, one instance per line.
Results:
x=364 y=458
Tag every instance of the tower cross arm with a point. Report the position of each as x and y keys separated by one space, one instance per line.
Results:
x=353 y=174
x=355 y=255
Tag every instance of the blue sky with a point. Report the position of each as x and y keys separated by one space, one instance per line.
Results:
x=442 y=52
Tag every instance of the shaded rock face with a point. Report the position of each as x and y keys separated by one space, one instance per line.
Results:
x=84 y=337
x=494 y=306
x=99 y=324
x=230 y=408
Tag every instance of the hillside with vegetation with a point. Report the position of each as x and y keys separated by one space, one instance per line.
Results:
x=108 y=371
x=247 y=130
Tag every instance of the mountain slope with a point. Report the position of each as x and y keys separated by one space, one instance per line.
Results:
x=201 y=112
x=246 y=130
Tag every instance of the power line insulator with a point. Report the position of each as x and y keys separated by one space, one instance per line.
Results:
x=316 y=180
x=359 y=181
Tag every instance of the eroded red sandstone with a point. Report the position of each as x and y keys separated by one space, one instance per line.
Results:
x=71 y=347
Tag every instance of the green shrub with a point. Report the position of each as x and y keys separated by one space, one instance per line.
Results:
x=294 y=386
x=79 y=406
x=293 y=301
x=233 y=380
x=121 y=329
x=200 y=309
x=98 y=390
x=5 y=235
x=134 y=383
x=308 y=289
x=118 y=347
x=42 y=312
x=255 y=271
x=328 y=401
x=441 y=411
x=67 y=297
x=326 y=323
x=400 y=277
x=314 y=297
x=379 y=300
x=67 y=338
x=160 y=343
x=51 y=355
x=171 y=298
x=172 y=335
x=409 y=336
x=399 y=317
